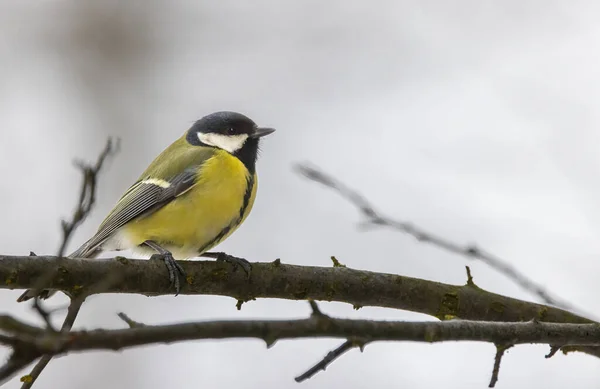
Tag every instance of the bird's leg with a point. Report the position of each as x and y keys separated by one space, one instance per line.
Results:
x=235 y=261
x=175 y=270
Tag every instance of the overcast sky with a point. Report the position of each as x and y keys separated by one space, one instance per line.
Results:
x=473 y=119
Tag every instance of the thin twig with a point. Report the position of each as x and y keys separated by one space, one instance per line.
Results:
x=72 y=312
x=332 y=355
x=326 y=361
x=85 y=204
x=34 y=342
x=500 y=350
x=29 y=379
x=470 y=251
x=87 y=194
x=44 y=314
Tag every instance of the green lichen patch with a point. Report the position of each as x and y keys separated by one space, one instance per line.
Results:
x=12 y=278
x=27 y=379
x=219 y=274
x=448 y=305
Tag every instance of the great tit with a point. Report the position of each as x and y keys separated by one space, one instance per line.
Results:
x=193 y=196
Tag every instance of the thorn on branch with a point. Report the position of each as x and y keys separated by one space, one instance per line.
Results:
x=130 y=322
x=360 y=343
x=553 y=351
x=336 y=263
x=500 y=350
x=470 y=278
x=270 y=342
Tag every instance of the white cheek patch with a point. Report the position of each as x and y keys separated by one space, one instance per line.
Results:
x=230 y=143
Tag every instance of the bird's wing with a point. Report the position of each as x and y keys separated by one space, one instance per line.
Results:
x=142 y=198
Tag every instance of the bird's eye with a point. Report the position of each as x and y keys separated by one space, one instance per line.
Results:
x=231 y=131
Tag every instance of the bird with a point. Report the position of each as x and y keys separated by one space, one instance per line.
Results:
x=190 y=198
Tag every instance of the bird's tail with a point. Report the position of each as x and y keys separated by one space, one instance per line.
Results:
x=82 y=252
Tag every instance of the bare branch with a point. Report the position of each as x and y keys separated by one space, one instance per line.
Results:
x=269 y=280
x=87 y=194
x=35 y=342
x=44 y=314
x=85 y=204
x=470 y=251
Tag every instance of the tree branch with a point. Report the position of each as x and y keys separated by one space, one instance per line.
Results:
x=85 y=204
x=376 y=218
x=278 y=280
x=36 y=341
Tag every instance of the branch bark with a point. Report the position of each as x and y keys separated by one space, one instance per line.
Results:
x=277 y=280
x=39 y=341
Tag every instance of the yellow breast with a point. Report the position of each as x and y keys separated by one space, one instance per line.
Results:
x=203 y=216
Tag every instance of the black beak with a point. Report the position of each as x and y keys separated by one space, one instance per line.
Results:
x=260 y=132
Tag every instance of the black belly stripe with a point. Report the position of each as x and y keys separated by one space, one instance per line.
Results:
x=247 y=195
x=244 y=207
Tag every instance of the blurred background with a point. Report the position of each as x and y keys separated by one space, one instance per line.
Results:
x=472 y=119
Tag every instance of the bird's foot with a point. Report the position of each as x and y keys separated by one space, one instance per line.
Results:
x=176 y=272
x=234 y=261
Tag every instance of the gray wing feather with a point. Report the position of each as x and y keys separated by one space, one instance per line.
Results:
x=140 y=200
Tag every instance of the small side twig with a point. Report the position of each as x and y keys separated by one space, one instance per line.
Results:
x=328 y=360
x=332 y=355
x=336 y=263
x=500 y=350
x=129 y=321
x=44 y=314
x=85 y=204
x=87 y=193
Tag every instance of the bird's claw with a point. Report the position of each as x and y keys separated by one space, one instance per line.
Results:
x=175 y=270
x=235 y=262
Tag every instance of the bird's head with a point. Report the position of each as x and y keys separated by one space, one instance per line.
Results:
x=230 y=131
